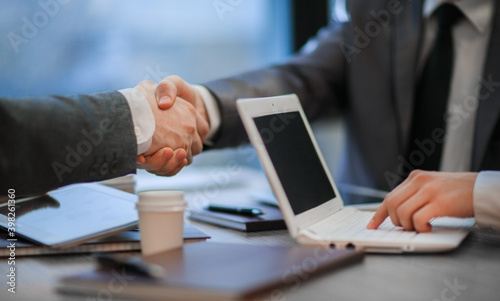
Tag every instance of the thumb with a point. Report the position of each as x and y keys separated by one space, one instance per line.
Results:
x=172 y=87
x=166 y=92
x=165 y=102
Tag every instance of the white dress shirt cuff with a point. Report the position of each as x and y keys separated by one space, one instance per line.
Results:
x=212 y=112
x=487 y=199
x=142 y=117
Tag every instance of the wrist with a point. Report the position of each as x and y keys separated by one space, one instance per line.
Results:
x=142 y=118
x=211 y=111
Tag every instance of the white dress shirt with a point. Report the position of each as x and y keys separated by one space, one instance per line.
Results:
x=471 y=36
x=470 y=41
x=142 y=116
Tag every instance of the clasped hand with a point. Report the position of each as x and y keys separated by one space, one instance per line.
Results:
x=181 y=126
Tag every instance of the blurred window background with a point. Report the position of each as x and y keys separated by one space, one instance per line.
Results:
x=63 y=46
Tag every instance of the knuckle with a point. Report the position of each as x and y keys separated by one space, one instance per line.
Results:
x=191 y=129
x=420 y=176
x=391 y=201
x=390 y=195
x=163 y=85
x=176 y=80
x=162 y=88
x=198 y=148
x=402 y=213
x=166 y=87
x=418 y=221
x=430 y=189
x=415 y=173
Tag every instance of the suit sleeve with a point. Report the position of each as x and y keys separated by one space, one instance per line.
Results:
x=54 y=141
x=316 y=75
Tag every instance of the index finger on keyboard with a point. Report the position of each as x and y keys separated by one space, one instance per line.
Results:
x=378 y=217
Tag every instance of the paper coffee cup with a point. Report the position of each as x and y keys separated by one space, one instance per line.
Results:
x=161 y=220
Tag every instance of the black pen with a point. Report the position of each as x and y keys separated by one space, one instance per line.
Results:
x=133 y=265
x=235 y=210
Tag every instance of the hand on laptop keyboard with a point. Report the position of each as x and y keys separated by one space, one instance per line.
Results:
x=425 y=195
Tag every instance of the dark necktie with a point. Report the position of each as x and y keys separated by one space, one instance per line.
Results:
x=431 y=100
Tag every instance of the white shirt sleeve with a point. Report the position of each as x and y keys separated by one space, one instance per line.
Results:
x=487 y=199
x=142 y=117
x=212 y=111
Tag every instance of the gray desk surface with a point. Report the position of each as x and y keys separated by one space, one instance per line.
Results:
x=471 y=272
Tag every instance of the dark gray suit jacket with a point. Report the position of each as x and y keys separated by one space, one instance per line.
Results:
x=371 y=82
x=53 y=141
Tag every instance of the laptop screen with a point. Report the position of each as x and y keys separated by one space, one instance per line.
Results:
x=295 y=160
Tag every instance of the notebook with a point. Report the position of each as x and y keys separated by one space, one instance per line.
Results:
x=270 y=220
x=124 y=241
x=214 y=271
x=308 y=198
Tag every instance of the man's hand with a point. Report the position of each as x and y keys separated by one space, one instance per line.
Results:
x=172 y=87
x=180 y=127
x=164 y=162
x=425 y=195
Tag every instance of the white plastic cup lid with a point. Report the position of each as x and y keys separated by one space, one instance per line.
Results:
x=160 y=208
x=161 y=196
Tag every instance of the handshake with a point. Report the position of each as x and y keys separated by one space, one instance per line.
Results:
x=181 y=125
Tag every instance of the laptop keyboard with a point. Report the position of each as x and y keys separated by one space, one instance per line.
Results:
x=350 y=224
x=354 y=226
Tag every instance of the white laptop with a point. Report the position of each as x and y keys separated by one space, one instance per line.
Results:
x=308 y=198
